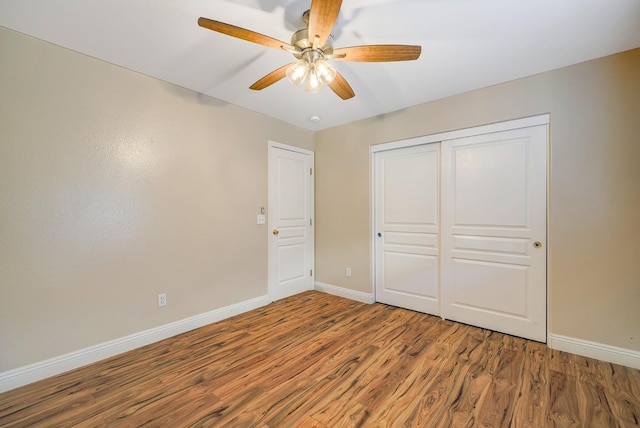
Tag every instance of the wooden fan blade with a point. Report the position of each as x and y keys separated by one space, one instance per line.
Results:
x=322 y=16
x=271 y=78
x=378 y=53
x=243 y=33
x=341 y=87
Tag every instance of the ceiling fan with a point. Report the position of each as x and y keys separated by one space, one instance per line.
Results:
x=312 y=47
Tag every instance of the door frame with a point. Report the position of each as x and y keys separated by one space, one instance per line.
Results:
x=271 y=145
x=543 y=119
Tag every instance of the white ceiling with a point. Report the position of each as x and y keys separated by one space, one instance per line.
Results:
x=466 y=44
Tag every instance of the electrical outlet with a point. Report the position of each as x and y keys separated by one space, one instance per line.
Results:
x=162 y=300
x=348 y=272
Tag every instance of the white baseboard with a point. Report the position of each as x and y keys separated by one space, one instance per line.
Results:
x=24 y=375
x=358 y=296
x=599 y=351
x=41 y=370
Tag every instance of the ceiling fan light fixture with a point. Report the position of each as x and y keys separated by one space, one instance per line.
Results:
x=313 y=81
x=325 y=71
x=313 y=69
x=297 y=73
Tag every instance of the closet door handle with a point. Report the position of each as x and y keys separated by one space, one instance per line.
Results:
x=379 y=235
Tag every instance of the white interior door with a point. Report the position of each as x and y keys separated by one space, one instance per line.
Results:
x=407 y=225
x=494 y=231
x=290 y=221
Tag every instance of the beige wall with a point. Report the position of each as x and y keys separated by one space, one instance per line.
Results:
x=115 y=187
x=594 y=224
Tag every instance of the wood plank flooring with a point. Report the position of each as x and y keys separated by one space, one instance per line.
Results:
x=316 y=360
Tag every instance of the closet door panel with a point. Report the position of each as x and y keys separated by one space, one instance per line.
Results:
x=494 y=231
x=407 y=212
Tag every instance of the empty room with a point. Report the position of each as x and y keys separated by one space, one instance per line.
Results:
x=296 y=213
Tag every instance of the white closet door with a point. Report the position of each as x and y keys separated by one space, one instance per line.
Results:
x=406 y=225
x=494 y=231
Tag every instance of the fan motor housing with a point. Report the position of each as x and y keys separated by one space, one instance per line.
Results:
x=300 y=40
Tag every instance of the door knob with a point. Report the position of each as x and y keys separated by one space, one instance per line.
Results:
x=537 y=244
x=276 y=231
x=379 y=235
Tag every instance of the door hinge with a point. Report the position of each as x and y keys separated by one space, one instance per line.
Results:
x=310 y=171
x=310 y=272
x=310 y=222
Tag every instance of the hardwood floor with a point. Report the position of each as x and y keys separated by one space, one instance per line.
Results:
x=316 y=360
